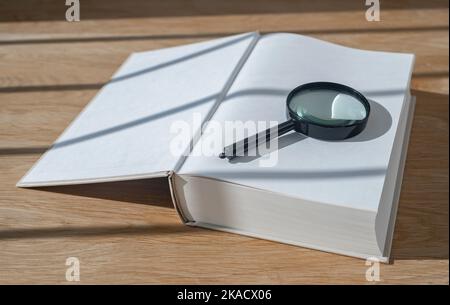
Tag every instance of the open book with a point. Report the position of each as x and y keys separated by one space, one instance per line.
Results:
x=337 y=196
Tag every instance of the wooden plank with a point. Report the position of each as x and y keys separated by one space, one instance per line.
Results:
x=127 y=232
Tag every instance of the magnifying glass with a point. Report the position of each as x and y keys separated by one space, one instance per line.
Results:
x=321 y=110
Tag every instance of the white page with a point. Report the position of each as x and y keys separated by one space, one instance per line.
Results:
x=124 y=132
x=348 y=173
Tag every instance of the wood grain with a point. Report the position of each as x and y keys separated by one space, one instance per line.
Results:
x=127 y=232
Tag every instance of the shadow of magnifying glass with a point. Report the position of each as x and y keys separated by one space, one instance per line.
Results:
x=379 y=123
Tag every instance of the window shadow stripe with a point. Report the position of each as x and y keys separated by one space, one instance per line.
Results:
x=216 y=35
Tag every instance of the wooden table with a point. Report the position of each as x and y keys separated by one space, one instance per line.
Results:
x=128 y=232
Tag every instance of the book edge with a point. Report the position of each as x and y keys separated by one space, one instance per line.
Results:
x=92 y=180
x=288 y=242
x=400 y=175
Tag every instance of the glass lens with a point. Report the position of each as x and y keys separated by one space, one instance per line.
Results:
x=327 y=107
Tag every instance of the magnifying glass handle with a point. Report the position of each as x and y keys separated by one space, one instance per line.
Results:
x=241 y=147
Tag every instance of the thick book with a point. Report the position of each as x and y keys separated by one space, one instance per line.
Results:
x=335 y=196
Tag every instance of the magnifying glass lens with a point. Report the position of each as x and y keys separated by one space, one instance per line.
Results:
x=327 y=107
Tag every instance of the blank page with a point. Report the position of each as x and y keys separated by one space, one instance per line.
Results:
x=125 y=131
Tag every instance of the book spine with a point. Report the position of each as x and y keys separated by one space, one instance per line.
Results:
x=175 y=202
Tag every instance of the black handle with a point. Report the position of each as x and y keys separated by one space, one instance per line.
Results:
x=241 y=147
